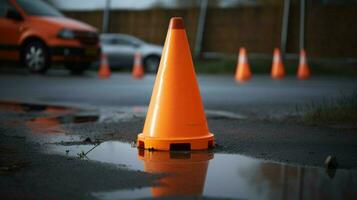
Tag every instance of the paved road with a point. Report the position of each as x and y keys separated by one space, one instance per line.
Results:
x=288 y=142
x=261 y=96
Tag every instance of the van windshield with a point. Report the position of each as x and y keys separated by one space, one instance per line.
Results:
x=38 y=8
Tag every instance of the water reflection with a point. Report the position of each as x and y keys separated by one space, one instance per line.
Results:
x=50 y=125
x=97 y=115
x=45 y=120
x=186 y=171
x=222 y=175
x=25 y=107
x=11 y=106
x=44 y=125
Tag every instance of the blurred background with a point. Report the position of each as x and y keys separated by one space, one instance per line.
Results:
x=329 y=35
x=218 y=28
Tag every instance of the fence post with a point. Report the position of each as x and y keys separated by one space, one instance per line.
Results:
x=284 y=30
x=106 y=16
x=302 y=25
x=200 y=28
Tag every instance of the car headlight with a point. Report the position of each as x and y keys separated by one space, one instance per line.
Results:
x=66 y=34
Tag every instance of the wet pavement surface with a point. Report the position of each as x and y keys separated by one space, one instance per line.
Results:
x=51 y=152
x=66 y=137
x=259 y=98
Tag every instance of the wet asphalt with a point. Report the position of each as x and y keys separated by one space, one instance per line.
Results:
x=261 y=96
x=254 y=119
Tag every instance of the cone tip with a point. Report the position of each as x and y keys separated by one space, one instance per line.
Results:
x=176 y=23
x=276 y=51
x=302 y=51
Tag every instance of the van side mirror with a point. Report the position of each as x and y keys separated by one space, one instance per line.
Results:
x=12 y=14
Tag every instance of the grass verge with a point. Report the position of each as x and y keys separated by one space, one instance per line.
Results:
x=341 y=111
x=263 y=66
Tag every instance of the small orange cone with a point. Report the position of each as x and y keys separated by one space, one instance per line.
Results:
x=243 y=72
x=104 y=69
x=138 y=70
x=277 y=70
x=303 y=69
x=176 y=119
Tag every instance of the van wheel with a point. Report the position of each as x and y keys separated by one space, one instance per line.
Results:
x=35 y=57
x=151 y=64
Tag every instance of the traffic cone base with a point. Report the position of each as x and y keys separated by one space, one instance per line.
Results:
x=168 y=144
x=138 y=72
x=175 y=119
x=104 y=69
x=303 y=76
x=278 y=73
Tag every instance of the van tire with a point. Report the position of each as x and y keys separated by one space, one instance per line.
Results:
x=35 y=56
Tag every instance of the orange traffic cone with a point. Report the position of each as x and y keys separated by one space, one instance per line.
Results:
x=277 y=70
x=183 y=166
x=138 y=70
x=176 y=119
x=104 y=69
x=243 y=72
x=303 y=69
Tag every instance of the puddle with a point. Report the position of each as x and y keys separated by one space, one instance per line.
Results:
x=57 y=115
x=217 y=175
x=44 y=121
x=47 y=130
x=25 y=107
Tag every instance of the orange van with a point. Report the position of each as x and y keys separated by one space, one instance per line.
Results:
x=37 y=35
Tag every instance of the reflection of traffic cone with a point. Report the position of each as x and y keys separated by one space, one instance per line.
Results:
x=243 y=72
x=104 y=69
x=277 y=70
x=187 y=172
x=58 y=110
x=138 y=70
x=303 y=69
x=44 y=125
x=16 y=107
x=176 y=118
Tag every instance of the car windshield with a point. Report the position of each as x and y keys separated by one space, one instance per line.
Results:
x=38 y=8
x=133 y=39
x=120 y=39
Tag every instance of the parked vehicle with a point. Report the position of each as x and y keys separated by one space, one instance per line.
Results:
x=121 y=48
x=38 y=35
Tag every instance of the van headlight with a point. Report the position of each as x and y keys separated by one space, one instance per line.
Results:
x=66 y=34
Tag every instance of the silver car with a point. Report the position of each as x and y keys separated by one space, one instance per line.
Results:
x=121 y=48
